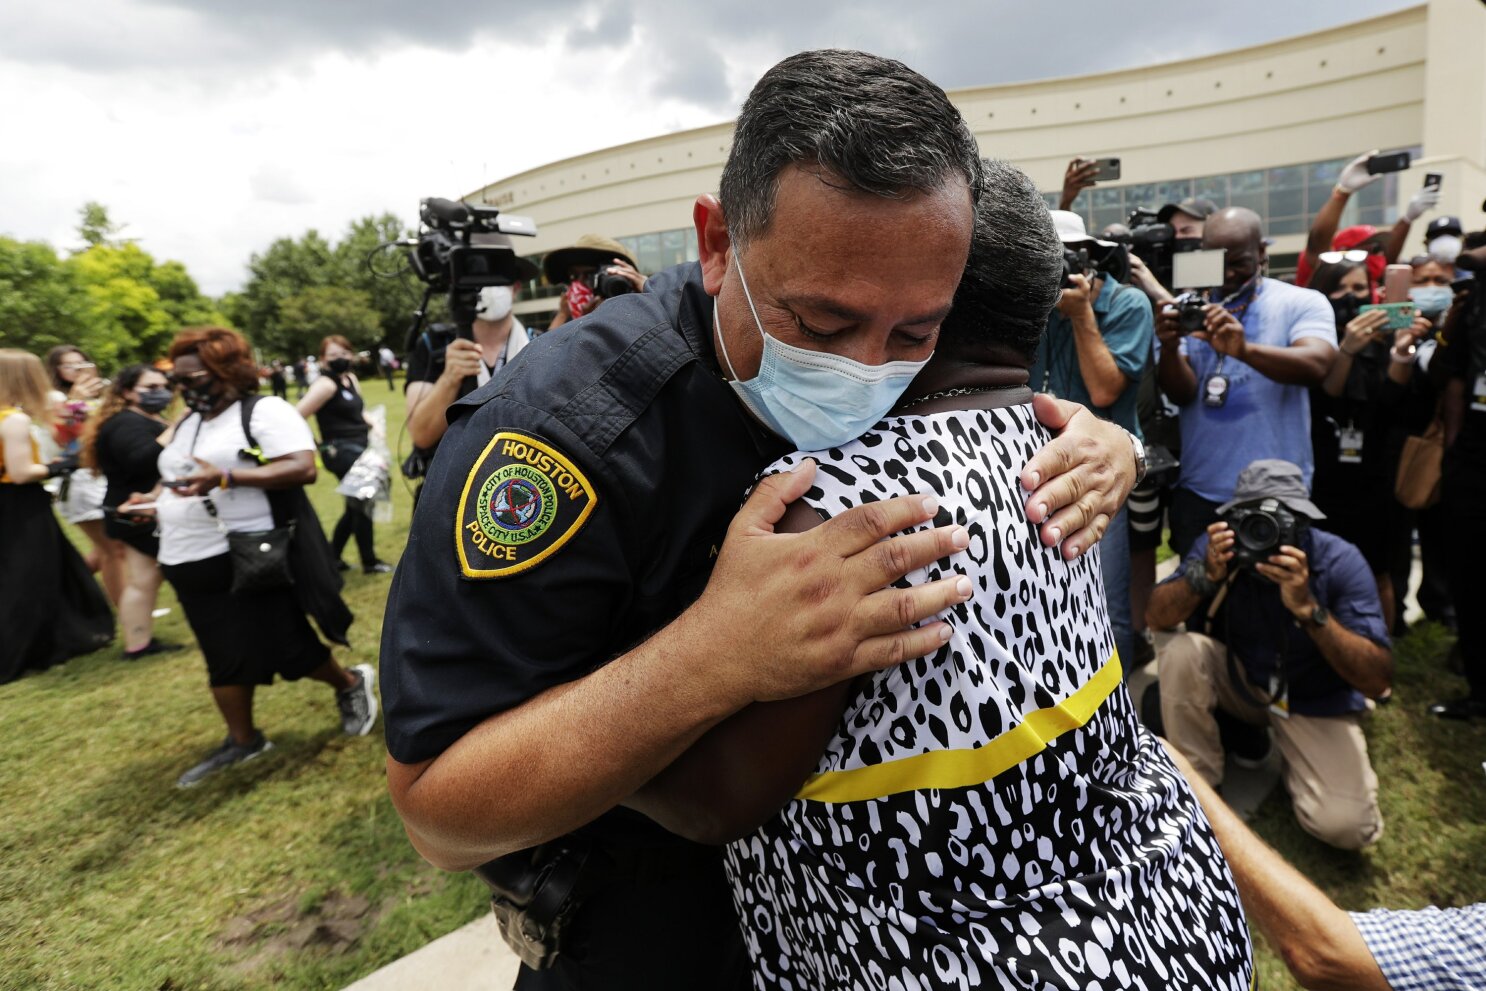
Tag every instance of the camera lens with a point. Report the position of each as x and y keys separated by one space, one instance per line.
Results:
x=1260 y=532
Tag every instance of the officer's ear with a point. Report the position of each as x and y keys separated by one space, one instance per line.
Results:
x=713 y=242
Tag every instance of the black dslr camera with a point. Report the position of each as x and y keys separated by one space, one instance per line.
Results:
x=1155 y=243
x=1189 y=311
x=606 y=284
x=1074 y=263
x=1259 y=528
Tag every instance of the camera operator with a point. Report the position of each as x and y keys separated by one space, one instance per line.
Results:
x=1381 y=251
x=1296 y=641
x=1097 y=345
x=439 y=373
x=594 y=269
x=1240 y=380
x=1459 y=368
x=1186 y=220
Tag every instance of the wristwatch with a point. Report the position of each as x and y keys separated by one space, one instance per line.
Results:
x=1140 y=462
x=1320 y=616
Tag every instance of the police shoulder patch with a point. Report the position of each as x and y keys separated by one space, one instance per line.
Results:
x=522 y=501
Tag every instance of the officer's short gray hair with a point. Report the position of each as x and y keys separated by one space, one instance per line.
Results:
x=867 y=122
x=1012 y=278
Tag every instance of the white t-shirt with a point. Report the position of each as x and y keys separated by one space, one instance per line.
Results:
x=188 y=532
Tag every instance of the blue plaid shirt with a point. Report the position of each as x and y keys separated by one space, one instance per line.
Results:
x=1429 y=950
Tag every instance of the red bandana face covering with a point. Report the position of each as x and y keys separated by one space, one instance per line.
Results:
x=580 y=297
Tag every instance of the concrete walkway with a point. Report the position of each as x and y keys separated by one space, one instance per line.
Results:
x=471 y=958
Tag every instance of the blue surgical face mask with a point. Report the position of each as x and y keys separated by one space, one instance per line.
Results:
x=815 y=400
x=1432 y=300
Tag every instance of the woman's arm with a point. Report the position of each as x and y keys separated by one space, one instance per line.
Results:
x=20 y=465
x=288 y=472
x=318 y=395
x=747 y=767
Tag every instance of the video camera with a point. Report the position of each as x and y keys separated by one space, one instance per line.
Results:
x=448 y=254
x=1259 y=528
x=1156 y=243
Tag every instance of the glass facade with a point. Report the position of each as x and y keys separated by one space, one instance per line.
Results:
x=1287 y=198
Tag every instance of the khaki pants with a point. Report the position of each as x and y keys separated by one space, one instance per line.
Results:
x=1327 y=771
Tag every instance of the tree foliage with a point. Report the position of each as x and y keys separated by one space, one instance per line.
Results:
x=309 y=316
x=290 y=268
x=112 y=298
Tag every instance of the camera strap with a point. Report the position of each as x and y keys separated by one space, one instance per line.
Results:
x=1279 y=688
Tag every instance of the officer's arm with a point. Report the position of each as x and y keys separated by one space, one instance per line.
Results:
x=745 y=769
x=567 y=755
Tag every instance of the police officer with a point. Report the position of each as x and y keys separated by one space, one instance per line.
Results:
x=581 y=596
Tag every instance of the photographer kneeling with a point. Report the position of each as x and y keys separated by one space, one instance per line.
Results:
x=1303 y=646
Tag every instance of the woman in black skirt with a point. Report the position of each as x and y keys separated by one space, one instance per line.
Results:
x=336 y=403
x=50 y=606
x=122 y=443
x=210 y=487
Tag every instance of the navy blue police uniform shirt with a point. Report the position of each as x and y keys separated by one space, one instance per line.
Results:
x=1265 y=639
x=576 y=505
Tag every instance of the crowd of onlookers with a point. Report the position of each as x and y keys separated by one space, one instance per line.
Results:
x=209 y=497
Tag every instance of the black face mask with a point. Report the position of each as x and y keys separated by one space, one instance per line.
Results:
x=339 y=366
x=200 y=398
x=154 y=400
x=1345 y=307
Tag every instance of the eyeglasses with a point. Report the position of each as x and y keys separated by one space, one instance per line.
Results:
x=76 y=366
x=1352 y=255
x=187 y=380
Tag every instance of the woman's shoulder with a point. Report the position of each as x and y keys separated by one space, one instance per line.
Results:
x=14 y=420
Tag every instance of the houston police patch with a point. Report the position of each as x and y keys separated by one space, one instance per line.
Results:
x=522 y=501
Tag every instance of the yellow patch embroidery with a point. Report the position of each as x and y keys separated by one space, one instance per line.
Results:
x=522 y=501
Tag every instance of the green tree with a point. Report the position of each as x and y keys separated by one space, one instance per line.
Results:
x=393 y=298
x=94 y=226
x=307 y=317
x=287 y=268
x=39 y=305
x=131 y=306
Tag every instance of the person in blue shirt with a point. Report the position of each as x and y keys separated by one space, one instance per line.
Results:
x=1296 y=642
x=1241 y=381
x=1097 y=346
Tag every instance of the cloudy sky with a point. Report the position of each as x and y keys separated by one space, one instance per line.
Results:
x=213 y=126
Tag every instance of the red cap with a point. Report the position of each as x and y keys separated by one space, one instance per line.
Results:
x=1352 y=236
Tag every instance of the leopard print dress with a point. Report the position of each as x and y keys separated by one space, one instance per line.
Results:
x=993 y=816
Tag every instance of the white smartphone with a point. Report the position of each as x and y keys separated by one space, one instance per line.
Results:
x=1197 y=269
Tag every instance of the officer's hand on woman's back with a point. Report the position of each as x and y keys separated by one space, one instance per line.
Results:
x=786 y=614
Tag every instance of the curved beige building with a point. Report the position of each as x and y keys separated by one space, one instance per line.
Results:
x=1266 y=127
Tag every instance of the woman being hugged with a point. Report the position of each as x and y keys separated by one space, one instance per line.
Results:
x=50 y=607
x=215 y=481
x=77 y=393
x=335 y=402
x=121 y=442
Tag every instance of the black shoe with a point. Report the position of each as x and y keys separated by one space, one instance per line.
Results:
x=358 y=704
x=342 y=566
x=153 y=647
x=376 y=568
x=1466 y=708
x=223 y=757
x=1248 y=745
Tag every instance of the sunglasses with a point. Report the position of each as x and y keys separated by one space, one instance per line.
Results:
x=186 y=380
x=1352 y=255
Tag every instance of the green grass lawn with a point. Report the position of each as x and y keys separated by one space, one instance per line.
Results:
x=292 y=872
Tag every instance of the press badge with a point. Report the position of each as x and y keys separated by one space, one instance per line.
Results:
x=1478 y=396
x=1279 y=694
x=1350 y=452
x=1215 y=393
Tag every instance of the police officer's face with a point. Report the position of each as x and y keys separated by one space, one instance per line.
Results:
x=847 y=273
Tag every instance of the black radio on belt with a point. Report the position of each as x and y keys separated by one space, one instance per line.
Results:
x=534 y=894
